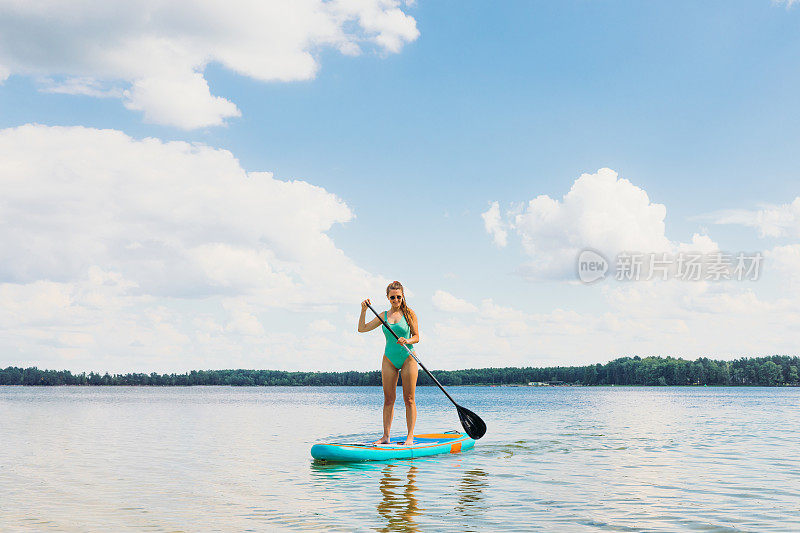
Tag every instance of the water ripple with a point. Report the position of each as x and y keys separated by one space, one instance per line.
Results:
x=555 y=459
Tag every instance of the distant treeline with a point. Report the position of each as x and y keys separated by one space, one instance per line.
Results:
x=766 y=371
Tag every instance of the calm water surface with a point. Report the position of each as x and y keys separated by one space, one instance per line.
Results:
x=554 y=459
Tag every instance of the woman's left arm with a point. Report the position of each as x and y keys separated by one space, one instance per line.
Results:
x=415 y=328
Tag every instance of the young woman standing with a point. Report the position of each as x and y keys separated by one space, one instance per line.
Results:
x=396 y=360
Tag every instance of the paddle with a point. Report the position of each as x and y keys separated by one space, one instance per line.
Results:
x=473 y=425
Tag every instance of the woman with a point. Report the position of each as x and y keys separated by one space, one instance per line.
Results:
x=396 y=360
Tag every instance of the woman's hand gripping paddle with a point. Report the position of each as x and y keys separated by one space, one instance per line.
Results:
x=473 y=425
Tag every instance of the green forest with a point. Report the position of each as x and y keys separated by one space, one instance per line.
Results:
x=776 y=370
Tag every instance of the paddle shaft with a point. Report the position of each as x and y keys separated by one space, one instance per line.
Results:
x=412 y=355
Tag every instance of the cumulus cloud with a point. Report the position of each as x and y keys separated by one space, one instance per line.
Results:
x=321 y=326
x=184 y=101
x=444 y=301
x=174 y=218
x=700 y=243
x=769 y=220
x=786 y=261
x=153 y=54
x=660 y=318
x=601 y=211
x=656 y=317
x=494 y=225
x=167 y=246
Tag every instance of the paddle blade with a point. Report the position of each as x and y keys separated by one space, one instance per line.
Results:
x=473 y=425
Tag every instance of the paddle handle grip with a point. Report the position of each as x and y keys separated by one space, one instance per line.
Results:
x=412 y=355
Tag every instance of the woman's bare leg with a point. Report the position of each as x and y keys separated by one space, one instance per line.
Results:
x=389 y=375
x=409 y=371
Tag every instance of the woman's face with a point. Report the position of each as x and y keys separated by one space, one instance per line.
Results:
x=395 y=297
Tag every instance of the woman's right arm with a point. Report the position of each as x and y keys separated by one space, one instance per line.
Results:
x=374 y=323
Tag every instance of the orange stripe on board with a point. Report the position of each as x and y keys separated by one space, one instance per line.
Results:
x=461 y=438
x=380 y=447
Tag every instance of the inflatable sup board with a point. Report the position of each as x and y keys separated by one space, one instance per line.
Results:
x=424 y=445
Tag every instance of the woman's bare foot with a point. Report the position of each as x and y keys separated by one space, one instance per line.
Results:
x=409 y=440
x=382 y=440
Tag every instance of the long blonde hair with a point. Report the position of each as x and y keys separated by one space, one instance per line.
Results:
x=406 y=310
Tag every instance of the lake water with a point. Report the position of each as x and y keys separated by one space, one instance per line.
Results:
x=554 y=459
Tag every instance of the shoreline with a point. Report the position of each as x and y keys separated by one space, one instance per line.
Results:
x=770 y=371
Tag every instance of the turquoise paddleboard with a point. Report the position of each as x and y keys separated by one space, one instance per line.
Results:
x=424 y=445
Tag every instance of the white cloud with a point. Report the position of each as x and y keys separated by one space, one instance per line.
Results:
x=158 y=250
x=184 y=101
x=244 y=323
x=494 y=225
x=690 y=319
x=770 y=220
x=82 y=86
x=321 y=326
x=785 y=260
x=173 y=218
x=33 y=303
x=700 y=244
x=444 y=301
x=153 y=54
x=601 y=211
x=680 y=318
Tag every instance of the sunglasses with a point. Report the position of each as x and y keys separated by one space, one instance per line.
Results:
x=395 y=297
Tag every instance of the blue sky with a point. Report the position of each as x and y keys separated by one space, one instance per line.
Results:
x=692 y=103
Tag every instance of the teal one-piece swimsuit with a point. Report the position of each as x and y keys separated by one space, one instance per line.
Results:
x=394 y=352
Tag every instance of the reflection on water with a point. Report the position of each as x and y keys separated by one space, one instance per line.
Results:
x=402 y=500
x=399 y=505
x=470 y=492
